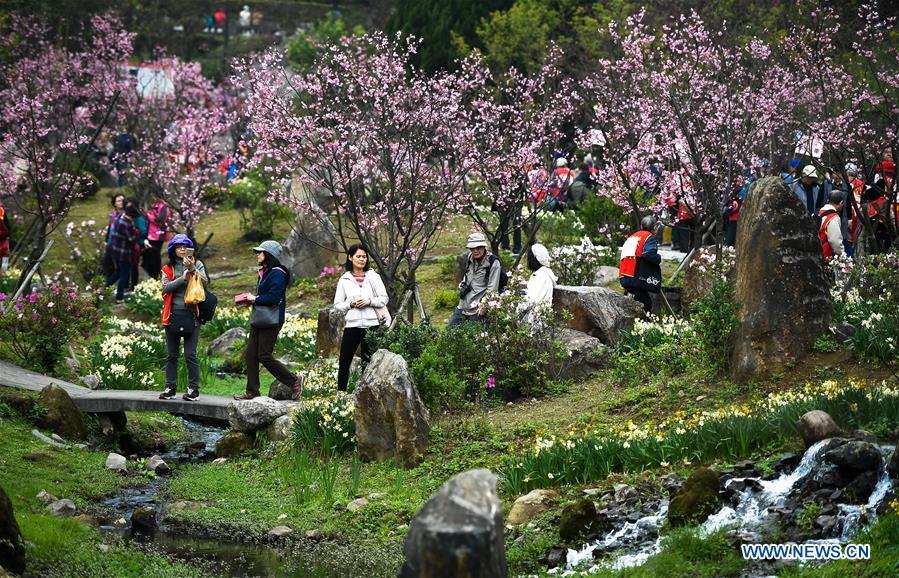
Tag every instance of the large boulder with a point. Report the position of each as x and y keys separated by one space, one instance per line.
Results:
x=62 y=416
x=816 y=425
x=782 y=293
x=280 y=429
x=696 y=500
x=606 y=275
x=329 y=332
x=599 y=312
x=255 y=414
x=12 y=547
x=531 y=505
x=233 y=444
x=391 y=420
x=224 y=344
x=586 y=354
x=280 y=391
x=458 y=533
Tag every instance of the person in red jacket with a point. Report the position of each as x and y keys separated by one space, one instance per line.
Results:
x=639 y=271
x=830 y=232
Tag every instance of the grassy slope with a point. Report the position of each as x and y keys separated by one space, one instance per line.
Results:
x=249 y=495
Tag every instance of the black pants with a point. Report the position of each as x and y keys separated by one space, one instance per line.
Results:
x=730 y=233
x=353 y=337
x=260 y=349
x=642 y=295
x=153 y=259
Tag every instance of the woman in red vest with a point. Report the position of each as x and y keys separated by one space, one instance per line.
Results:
x=640 y=272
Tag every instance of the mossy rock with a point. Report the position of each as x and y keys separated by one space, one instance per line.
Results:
x=63 y=416
x=696 y=500
x=233 y=444
x=21 y=403
x=578 y=520
x=12 y=547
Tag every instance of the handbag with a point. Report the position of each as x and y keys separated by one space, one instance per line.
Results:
x=194 y=294
x=382 y=312
x=265 y=316
x=181 y=322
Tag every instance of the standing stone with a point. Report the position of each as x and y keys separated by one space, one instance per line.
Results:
x=781 y=290
x=391 y=420
x=602 y=313
x=12 y=547
x=816 y=425
x=330 y=331
x=458 y=533
x=254 y=414
x=63 y=417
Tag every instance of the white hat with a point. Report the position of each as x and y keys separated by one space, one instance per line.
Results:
x=476 y=240
x=810 y=171
x=852 y=169
x=541 y=253
x=561 y=162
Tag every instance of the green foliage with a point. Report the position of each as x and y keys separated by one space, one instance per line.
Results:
x=604 y=222
x=449 y=370
x=258 y=215
x=714 y=320
x=446 y=299
x=519 y=36
x=326 y=424
x=226 y=318
x=446 y=27
x=38 y=327
x=303 y=49
x=561 y=228
x=826 y=343
x=405 y=339
x=447 y=266
x=806 y=519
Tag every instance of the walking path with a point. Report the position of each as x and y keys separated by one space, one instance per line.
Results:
x=115 y=400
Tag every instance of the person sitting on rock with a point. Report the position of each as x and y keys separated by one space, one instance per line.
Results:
x=543 y=281
x=640 y=272
x=482 y=274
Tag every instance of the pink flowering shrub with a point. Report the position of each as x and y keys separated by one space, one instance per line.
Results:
x=37 y=327
x=327 y=282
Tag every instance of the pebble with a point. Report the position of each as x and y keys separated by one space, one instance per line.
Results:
x=357 y=504
x=279 y=531
x=282 y=516
x=313 y=534
x=219 y=461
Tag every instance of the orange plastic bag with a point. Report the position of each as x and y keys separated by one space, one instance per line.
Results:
x=195 y=292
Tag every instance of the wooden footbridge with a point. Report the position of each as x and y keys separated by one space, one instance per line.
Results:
x=116 y=400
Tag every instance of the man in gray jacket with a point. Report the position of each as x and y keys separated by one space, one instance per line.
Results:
x=481 y=275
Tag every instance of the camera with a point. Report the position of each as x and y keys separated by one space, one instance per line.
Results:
x=464 y=288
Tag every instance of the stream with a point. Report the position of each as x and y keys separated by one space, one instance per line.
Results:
x=752 y=510
x=236 y=559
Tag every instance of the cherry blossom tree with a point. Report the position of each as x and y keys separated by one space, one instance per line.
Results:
x=175 y=132
x=516 y=121
x=54 y=102
x=388 y=144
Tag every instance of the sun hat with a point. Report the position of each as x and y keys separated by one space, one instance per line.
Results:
x=810 y=171
x=541 y=253
x=561 y=162
x=273 y=248
x=476 y=240
x=852 y=169
x=179 y=239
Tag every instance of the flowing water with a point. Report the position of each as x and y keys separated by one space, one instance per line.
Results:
x=637 y=541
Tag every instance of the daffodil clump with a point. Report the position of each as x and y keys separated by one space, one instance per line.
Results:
x=147 y=298
x=325 y=423
x=128 y=356
x=321 y=379
x=587 y=453
x=297 y=337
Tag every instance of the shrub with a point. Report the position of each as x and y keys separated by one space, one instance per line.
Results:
x=446 y=299
x=714 y=319
x=327 y=283
x=450 y=370
x=258 y=216
x=9 y=281
x=660 y=346
x=146 y=299
x=39 y=326
x=561 y=228
x=579 y=265
x=448 y=265
x=405 y=339
x=88 y=244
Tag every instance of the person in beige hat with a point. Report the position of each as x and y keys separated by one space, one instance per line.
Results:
x=482 y=274
x=810 y=192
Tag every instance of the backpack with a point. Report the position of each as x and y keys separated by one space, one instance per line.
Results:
x=503 y=275
x=206 y=308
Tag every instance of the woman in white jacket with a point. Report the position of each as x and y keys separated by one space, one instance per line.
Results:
x=362 y=296
x=542 y=282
